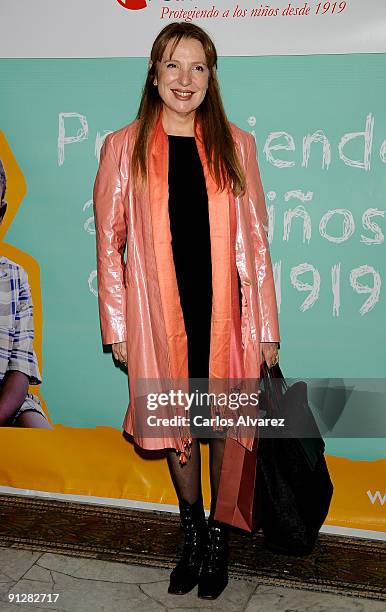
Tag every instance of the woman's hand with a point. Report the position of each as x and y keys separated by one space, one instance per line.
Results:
x=120 y=352
x=269 y=352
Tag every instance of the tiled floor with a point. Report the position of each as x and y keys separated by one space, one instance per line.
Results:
x=87 y=585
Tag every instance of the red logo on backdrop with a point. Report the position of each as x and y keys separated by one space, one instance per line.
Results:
x=133 y=5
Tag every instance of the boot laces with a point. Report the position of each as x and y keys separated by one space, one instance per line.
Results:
x=216 y=549
x=193 y=542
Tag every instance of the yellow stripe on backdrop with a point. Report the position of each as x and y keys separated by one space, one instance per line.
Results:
x=100 y=462
x=80 y=461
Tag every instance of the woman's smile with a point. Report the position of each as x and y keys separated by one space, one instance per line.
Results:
x=182 y=95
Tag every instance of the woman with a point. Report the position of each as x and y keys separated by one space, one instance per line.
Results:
x=180 y=188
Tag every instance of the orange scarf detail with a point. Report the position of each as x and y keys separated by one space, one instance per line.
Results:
x=226 y=329
x=226 y=358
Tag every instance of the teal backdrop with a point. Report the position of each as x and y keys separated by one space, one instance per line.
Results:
x=298 y=95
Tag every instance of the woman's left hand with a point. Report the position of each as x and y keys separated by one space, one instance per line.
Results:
x=270 y=353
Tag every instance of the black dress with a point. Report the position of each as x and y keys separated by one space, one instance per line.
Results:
x=190 y=230
x=191 y=246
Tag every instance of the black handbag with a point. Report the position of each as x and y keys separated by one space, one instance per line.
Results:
x=293 y=485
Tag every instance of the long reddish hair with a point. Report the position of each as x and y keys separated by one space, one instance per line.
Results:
x=219 y=146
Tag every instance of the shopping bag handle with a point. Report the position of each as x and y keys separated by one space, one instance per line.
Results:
x=273 y=373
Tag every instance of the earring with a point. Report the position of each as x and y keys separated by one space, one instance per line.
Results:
x=155 y=82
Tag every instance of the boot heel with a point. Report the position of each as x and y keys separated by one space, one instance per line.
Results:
x=214 y=573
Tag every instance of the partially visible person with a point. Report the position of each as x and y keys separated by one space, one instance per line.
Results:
x=18 y=363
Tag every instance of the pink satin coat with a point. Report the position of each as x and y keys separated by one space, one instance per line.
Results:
x=133 y=295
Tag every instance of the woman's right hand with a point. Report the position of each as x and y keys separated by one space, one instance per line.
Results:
x=120 y=352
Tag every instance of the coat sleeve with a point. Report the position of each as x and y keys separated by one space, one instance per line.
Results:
x=269 y=324
x=111 y=236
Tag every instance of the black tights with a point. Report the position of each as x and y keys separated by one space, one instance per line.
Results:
x=187 y=477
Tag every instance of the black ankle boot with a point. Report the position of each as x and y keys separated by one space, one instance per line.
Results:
x=184 y=576
x=214 y=573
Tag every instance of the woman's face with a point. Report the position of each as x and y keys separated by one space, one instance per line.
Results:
x=183 y=80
